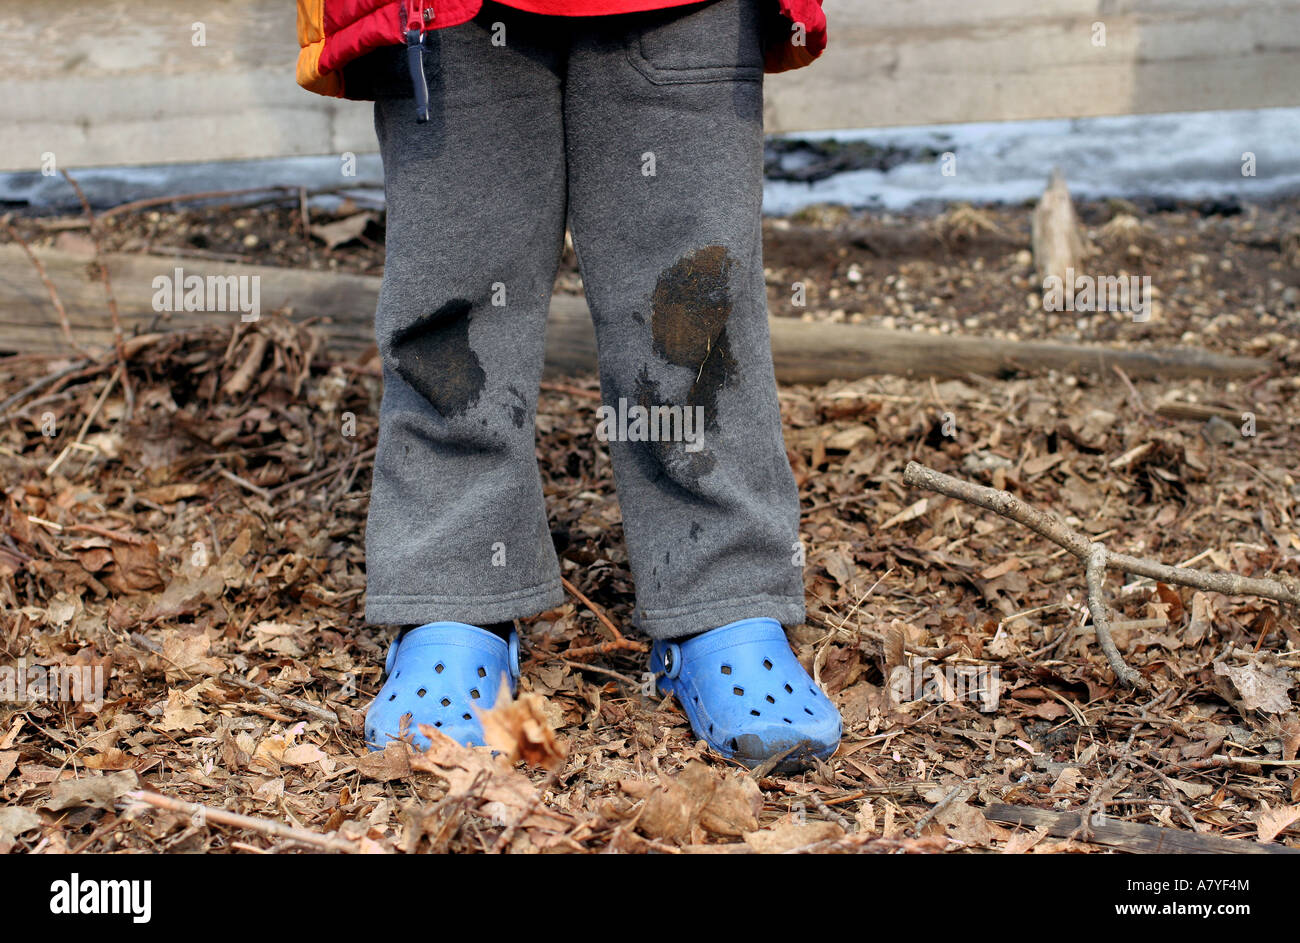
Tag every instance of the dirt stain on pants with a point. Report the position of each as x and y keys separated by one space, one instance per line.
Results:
x=433 y=355
x=690 y=308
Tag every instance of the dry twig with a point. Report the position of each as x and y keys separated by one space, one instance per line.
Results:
x=109 y=295
x=618 y=643
x=1097 y=558
x=202 y=814
x=62 y=312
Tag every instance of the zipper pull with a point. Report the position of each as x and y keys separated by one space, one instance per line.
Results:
x=415 y=62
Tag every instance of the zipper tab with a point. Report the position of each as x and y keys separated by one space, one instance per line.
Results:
x=415 y=62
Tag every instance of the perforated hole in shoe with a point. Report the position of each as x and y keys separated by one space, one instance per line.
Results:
x=788 y=689
x=756 y=713
x=767 y=664
x=467 y=716
x=808 y=712
x=482 y=672
x=739 y=692
x=445 y=702
x=726 y=669
x=439 y=667
x=787 y=720
x=770 y=699
x=422 y=692
x=473 y=692
x=392 y=697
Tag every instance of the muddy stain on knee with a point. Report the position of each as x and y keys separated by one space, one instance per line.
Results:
x=689 y=311
x=433 y=355
x=691 y=305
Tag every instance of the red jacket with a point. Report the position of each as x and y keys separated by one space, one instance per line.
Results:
x=331 y=33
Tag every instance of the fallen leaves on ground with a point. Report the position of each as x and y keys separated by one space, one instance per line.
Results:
x=215 y=534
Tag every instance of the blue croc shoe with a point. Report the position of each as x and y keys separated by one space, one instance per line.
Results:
x=747 y=695
x=438 y=673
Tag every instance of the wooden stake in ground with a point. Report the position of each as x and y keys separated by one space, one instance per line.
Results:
x=1057 y=238
x=1097 y=559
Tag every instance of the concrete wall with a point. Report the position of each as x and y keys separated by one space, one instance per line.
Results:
x=121 y=82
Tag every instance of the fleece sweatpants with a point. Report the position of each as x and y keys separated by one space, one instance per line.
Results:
x=643 y=133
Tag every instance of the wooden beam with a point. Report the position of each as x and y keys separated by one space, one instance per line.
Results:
x=344 y=306
x=1176 y=409
x=1127 y=836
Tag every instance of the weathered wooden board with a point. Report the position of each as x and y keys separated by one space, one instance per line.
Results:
x=929 y=61
x=136 y=90
x=345 y=304
x=1133 y=837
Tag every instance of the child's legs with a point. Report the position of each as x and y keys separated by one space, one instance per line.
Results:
x=476 y=202
x=663 y=125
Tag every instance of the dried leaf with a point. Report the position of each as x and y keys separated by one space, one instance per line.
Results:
x=302 y=754
x=186 y=653
x=342 y=231
x=111 y=759
x=520 y=730
x=476 y=773
x=1272 y=822
x=180 y=713
x=788 y=836
x=965 y=823
x=99 y=792
x=392 y=762
x=15 y=821
x=1262 y=686
x=699 y=799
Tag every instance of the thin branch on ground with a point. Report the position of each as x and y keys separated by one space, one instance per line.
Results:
x=1095 y=576
x=50 y=379
x=506 y=837
x=109 y=295
x=618 y=643
x=62 y=312
x=1173 y=793
x=1084 y=830
x=90 y=417
x=938 y=807
x=1097 y=558
x=285 y=700
x=202 y=815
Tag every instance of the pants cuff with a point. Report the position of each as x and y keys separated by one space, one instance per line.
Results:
x=472 y=610
x=689 y=620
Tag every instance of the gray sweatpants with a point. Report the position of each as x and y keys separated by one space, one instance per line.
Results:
x=642 y=132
